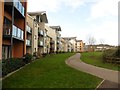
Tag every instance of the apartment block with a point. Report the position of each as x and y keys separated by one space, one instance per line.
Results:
x=52 y=40
x=13 y=32
x=64 y=45
x=80 y=46
x=73 y=43
x=30 y=34
x=41 y=19
x=68 y=45
x=58 y=35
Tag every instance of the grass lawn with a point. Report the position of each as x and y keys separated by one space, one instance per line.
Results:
x=51 y=72
x=95 y=58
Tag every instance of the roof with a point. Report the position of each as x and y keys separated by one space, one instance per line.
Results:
x=79 y=40
x=36 y=13
x=69 y=37
x=56 y=27
x=42 y=14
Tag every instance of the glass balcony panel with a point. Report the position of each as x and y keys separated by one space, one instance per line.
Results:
x=22 y=11
x=22 y=34
x=28 y=42
x=19 y=33
x=19 y=6
x=14 y=32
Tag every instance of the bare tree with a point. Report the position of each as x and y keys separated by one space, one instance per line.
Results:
x=91 y=42
x=102 y=41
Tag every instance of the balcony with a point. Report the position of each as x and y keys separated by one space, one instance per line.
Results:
x=19 y=7
x=28 y=29
x=40 y=43
x=40 y=32
x=28 y=42
x=17 y=33
x=58 y=42
x=45 y=34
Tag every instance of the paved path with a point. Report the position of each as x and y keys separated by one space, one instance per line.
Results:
x=106 y=74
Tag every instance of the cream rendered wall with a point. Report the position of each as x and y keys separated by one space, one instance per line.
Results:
x=48 y=44
x=42 y=27
x=78 y=46
x=34 y=26
x=73 y=41
x=30 y=22
x=64 y=45
x=35 y=37
x=52 y=33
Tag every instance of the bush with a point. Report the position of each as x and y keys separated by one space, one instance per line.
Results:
x=117 y=53
x=44 y=54
x=110 y=55
x=27 y=58
x=11 y=64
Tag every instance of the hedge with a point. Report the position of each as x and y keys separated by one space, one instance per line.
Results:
x=12 y=64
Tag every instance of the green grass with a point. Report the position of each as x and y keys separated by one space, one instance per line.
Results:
x=95 y=58
x=51 y=72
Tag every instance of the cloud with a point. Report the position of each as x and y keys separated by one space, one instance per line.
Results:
x=108 y=31
x=43 y=5
x=54 y=5
x=104 y=8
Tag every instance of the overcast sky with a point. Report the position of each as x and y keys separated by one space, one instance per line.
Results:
x=82 y=18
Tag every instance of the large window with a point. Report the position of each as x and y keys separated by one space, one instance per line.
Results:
x=7 y=26
x=5 y=52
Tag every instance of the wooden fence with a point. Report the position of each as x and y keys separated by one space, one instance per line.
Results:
x=113 y=60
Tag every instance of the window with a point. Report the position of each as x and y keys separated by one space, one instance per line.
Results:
x=7 y=26
x=37 y=18
x=5 y=52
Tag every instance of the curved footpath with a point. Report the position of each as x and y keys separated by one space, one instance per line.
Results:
x=110 y=76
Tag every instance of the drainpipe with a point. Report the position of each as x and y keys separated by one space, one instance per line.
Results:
x=12 y=30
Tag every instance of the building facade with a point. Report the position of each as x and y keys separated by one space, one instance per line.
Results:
x=41 y=20
x=51 y=34
x=58 y=37
x=13 y=29
x=29 y=34
x=80 y=46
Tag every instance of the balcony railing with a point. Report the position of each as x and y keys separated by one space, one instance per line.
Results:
x=28 y=42
x=28 y=29
x=40 y=32
x=40 y=43
x=19 y=6
x=17 y=32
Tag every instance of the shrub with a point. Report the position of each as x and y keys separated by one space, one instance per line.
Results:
x=11 y=64
x=117 y=53
x=110 y=55
x=27 y=58
x=44 y=54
